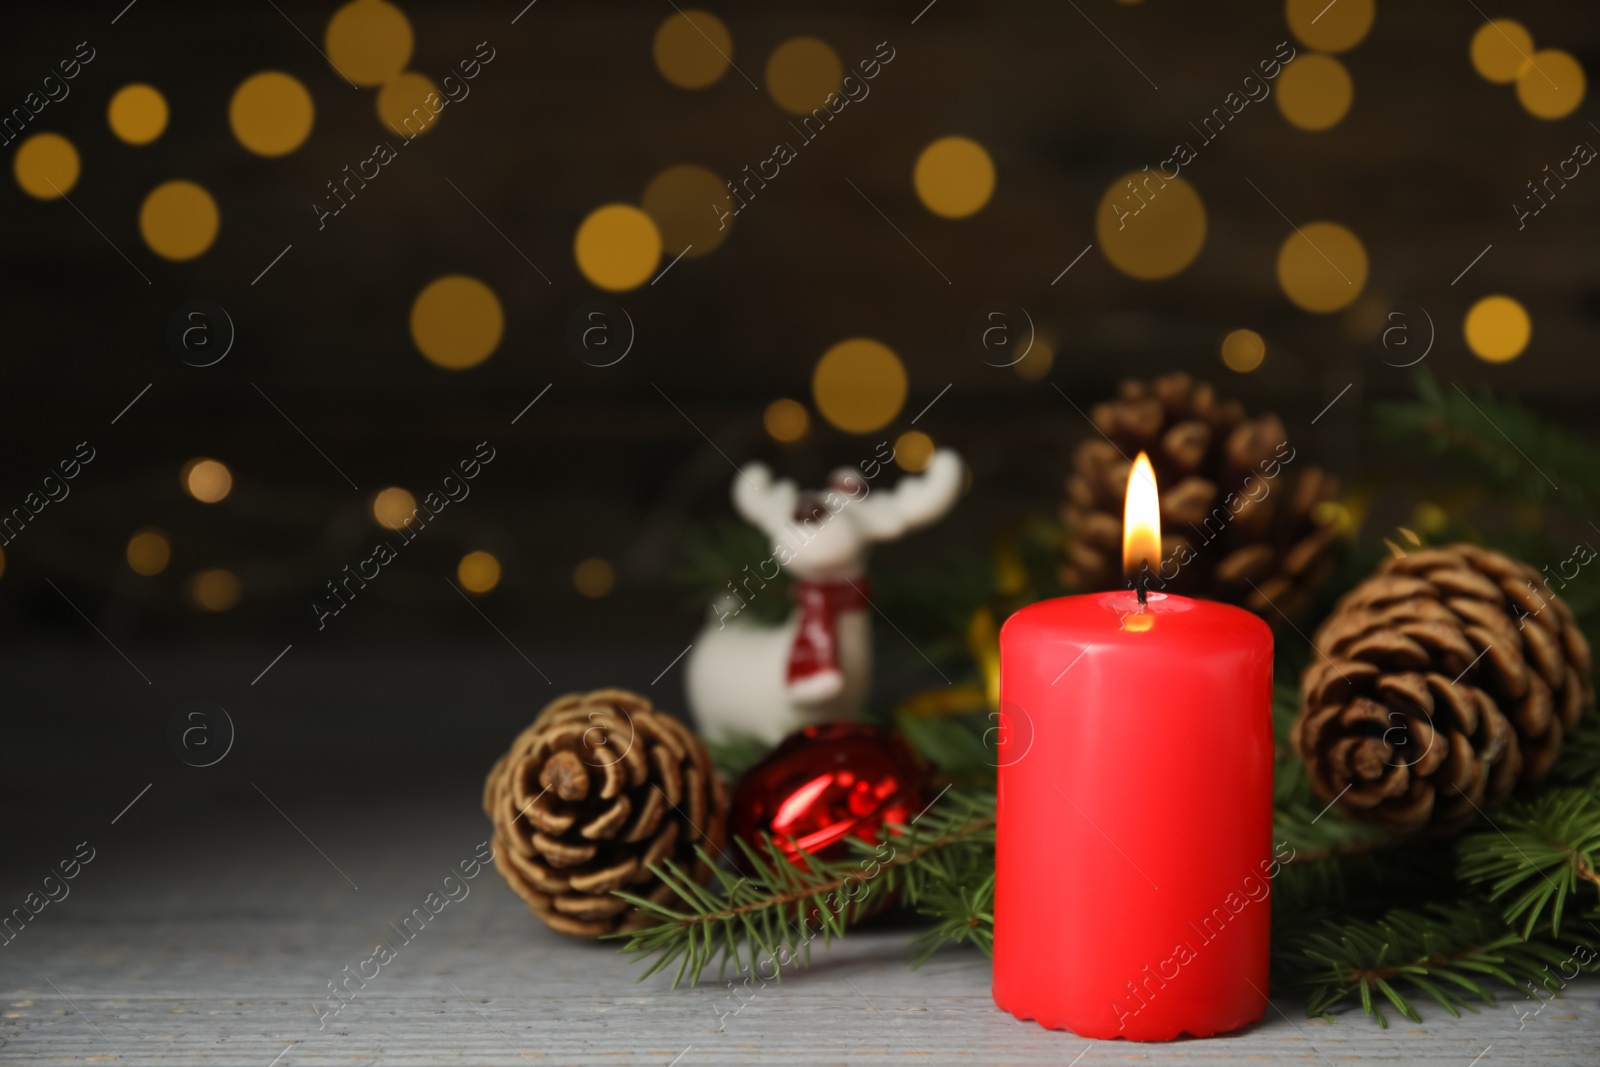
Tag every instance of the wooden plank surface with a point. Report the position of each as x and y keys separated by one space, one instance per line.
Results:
x=196 y=939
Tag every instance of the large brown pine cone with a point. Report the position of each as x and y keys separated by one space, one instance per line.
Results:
x=1439 y=684
x=600 y=787
x=1237 y=505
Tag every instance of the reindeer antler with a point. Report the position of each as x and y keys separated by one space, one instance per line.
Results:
x=764 y=503
x=915 y=501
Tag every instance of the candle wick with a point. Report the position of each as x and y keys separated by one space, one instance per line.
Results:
x=1141 y=583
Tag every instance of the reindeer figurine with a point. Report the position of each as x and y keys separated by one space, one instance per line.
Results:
x=767 y=681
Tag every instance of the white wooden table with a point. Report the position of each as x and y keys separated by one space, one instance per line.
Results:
x=205 y=937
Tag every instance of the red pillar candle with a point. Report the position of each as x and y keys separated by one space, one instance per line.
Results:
x=1133 y=854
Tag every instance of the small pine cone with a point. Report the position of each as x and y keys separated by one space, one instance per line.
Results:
x=1439 y=684
x=600 y=787
x=1234 y=500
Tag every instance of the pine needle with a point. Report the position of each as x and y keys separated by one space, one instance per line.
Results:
x=779 y=907
x=1537 y=856
x=1442 y=952
x=1476 y=433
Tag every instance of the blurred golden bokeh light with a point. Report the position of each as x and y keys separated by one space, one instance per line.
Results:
x=402 y=104
x=1499 y=50
x=1150 y=227
x=859 y=385
x=691 y=208
x=1243 y=350
x=1315 y=92
x=478 y=572
x=1038 y=360
x=179 y=220
x=786 y=420
x=46 y=166
x=456 y=322
x=618 y=247
x=693 y=49
x=369 y=41
x=215 y=589
x=913 y=451
x=594 y=577
x=391 y=507
x=207 y=480
x=137 y=113
x=271 y=113
x=1322 y=267
x=1551 y=84
x=1329 y=27
x=149 y=552
x=954 y=177
x=1497 y=329
x=801 y=72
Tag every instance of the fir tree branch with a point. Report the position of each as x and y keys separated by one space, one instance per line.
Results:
x=736 y=753
x=961 y=745
x=1579 y=763
x=1443 y=952
x=1477 y=433
x=1333 y=852
x=1323 y=832
x=779 y=907
x=1536 y=856
x=961 y=915
x=722 y=564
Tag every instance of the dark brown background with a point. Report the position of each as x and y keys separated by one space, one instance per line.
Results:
x=573 y=114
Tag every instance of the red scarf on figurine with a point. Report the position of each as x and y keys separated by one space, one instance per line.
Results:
x=814 y=657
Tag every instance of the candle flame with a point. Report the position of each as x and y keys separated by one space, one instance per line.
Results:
x=1141 y=520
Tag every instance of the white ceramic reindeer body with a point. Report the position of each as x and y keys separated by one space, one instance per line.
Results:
x=743 y=677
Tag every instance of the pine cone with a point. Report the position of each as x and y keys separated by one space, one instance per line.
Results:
x=1236 y=508
x=1440 y=683
x=600 y=787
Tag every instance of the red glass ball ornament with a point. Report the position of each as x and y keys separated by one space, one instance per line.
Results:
x=826 y=783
